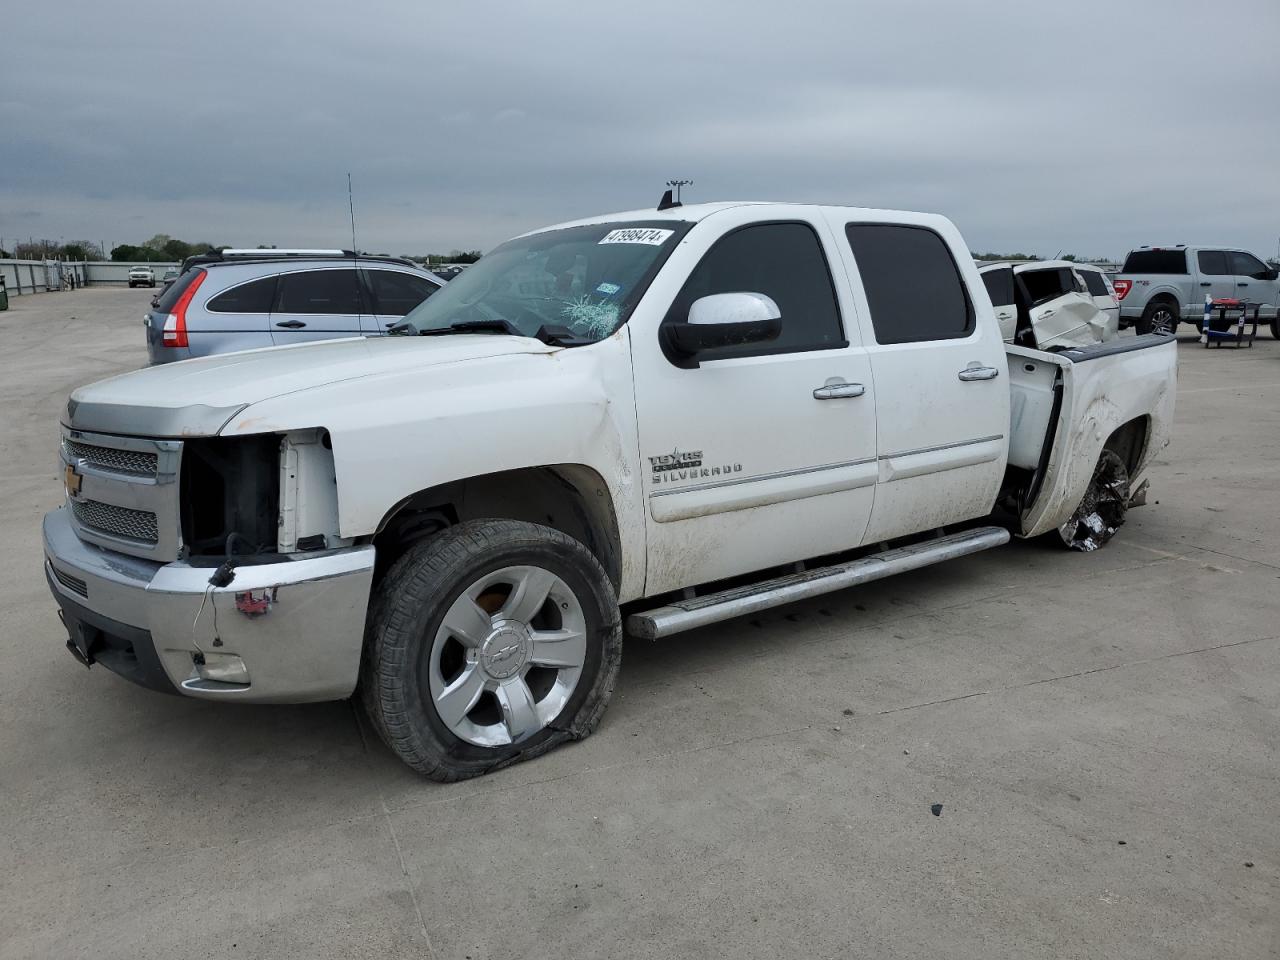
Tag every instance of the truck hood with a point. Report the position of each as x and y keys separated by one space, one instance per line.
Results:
x=198 y=397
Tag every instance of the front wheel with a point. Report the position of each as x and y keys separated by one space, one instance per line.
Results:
x=1161 y=316
x=1275 y=326
x=489 y=643
x=1101 y=512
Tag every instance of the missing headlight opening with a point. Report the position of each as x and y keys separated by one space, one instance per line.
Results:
x=230 y=486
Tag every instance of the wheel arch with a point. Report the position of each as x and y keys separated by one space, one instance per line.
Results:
x=1129 y=442
x=570 y=497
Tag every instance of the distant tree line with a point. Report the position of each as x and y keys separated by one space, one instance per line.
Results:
x=453 y=256
x=161 y=247
x=1007 y=256
x=52 y=250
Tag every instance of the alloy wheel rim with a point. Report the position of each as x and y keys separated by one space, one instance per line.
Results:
x=508 y=656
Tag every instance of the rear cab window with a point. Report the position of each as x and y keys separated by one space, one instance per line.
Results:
x=913 y=286
x=1156 y=261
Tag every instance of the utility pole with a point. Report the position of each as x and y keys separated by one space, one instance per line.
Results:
x=677 y=184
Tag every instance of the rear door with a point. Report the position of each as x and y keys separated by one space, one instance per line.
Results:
x=393 y=293
x=320 y=304
x=1104 y=299
x=1062 y=313
x=1216 y=278
x=237 y=318
x=941 y=379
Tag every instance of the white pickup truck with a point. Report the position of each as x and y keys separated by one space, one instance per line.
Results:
x=666 y=417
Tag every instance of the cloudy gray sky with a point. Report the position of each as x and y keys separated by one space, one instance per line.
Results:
x=1085 y=127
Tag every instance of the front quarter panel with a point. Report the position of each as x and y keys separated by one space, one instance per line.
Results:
x=397 y=434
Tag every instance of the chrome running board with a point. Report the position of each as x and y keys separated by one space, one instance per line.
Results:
x=739 y=601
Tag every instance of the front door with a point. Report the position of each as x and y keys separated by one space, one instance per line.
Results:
x=1252 y=281
x=317 y=305
x=763 y=454
x=942 y=390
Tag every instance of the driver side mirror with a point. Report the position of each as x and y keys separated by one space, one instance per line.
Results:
x=1269 y=274
x=721 y=320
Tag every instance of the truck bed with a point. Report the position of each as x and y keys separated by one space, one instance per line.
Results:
x=1067 y=406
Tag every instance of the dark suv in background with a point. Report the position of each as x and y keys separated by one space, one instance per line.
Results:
x=244 y=299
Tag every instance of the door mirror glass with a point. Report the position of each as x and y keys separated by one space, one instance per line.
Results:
x=724 y=320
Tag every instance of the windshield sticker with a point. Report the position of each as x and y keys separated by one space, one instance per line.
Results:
x=591 y=319
x=647 y=235
x=608 y=289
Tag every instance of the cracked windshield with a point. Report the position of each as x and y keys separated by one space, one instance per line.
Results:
x=573 y=286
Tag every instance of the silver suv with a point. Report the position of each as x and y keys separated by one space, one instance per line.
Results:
x=244 y=299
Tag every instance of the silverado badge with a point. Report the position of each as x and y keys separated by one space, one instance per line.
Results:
x=673 y=466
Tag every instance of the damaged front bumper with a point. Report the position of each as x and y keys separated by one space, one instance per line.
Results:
x=283 y=632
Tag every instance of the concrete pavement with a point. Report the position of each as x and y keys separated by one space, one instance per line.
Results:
x=1101 y=731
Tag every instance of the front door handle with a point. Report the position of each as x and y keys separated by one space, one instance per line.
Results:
x=837 y=389
x=1241 y=284
x=976 y=371
x=291 y=324
x=1205 y=283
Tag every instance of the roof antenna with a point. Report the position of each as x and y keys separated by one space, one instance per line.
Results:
x=666 y=203
x=351 y=205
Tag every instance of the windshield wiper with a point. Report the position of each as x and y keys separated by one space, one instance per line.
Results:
x=496 y=325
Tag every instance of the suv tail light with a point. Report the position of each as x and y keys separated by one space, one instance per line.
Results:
x=175 y=324
x=1122 y=288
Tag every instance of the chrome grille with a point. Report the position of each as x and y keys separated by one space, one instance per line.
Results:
x=136 y=463
x=74 y=584
x=106 y=518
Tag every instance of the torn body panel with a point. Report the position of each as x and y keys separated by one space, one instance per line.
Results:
x=1102 y=390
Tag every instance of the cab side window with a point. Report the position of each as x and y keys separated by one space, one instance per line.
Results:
x=999 y=284
x=1246 y=264
x=1214 y=263
x=913 y=285
x=397 y=293
x=785 y=262
x=257 y=296
x=320 y=291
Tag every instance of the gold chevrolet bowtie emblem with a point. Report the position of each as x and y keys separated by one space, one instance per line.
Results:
x=72 y=480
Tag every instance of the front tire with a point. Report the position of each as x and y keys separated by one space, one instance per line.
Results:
x=1102 y=510
x=1160 y=316
x=489 y=643
x=1275 y=326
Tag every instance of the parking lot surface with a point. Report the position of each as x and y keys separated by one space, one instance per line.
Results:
x=1101 y=732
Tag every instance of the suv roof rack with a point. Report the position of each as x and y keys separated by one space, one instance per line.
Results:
x=235 y=255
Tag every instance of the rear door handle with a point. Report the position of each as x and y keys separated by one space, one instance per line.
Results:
x=291 y=324
x=838 y=389
x=1241 y=284
x=976 y=371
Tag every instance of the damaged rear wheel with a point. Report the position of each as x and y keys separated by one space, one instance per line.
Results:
x=1101 y=512
x=489 y=643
